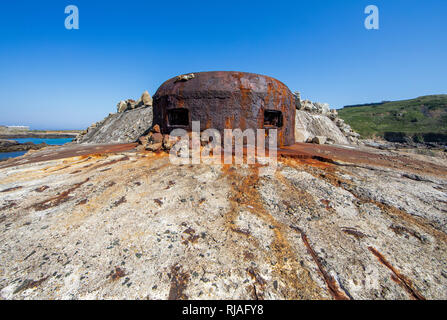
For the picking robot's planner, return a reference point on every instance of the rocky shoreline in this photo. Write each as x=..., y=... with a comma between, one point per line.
x=38, y=136
x=12, y=146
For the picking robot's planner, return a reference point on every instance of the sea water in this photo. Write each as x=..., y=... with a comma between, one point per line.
x=50, y=142
x=15, y=154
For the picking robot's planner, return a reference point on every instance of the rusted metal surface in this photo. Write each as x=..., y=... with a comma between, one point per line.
x=226, y=100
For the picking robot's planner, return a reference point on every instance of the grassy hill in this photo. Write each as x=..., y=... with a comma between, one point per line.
x=420, y=118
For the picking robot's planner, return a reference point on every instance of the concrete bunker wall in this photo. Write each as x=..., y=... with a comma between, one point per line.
x=226, y=100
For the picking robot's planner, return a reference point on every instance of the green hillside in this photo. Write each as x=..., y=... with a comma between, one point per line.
x=418, y=118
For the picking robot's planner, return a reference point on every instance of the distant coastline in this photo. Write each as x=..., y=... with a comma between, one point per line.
x=15, y=144
x=39, y=135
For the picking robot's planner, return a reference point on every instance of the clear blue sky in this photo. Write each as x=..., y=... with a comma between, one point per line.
x=53, y=78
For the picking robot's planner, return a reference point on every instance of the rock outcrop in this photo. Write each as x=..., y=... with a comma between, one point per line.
x=12, y=146
x=134, y=119
x=129, y=104
x=122, y=127
x=317, y=119
x=308, y=126
x=131, y=225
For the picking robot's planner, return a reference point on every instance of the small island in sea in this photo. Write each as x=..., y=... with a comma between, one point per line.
x=16, y=141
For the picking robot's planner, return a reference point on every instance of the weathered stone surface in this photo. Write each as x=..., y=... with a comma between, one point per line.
x=154, y=146
x=323, y=109
x=319, y=140
x=156, y=129
x=167, y=143
x=146, y=99
x=119, y=127
x=308, y=126
x=122, y=106
x=130, y=104
x=143, y=140
x=133, y=226
x=156, y=138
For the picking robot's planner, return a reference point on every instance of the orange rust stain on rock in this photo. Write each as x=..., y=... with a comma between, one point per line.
x=108, y=163
x=332, y=286
x=254, y=274
x=42, y=188
x=397, y=276
x=248, y=255
x=120, y=201
x=300, y=284
x=400, y=230
x=355, y=233
x=11, y=189
x=193, y=237
x=369, y=158
x=158, y=202
x=259, y=285
x=117, y=274
x=300, y=160
x=92, y=156
x=179, y=282
x=59, y=199
x=401, y=215
x=326, y=203
x=30, y=284
x=245, y=232
x=329, y=174
x=9, y=204
x=82, y=202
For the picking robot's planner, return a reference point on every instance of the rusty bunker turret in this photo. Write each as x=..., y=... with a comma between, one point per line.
x=226, y=100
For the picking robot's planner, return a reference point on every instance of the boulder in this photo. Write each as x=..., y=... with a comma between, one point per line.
x=297, y=96
x=167, y=143
x=155, y=141
x=156, y=138
x=309, y=125
x=333, y=114
x=308, y=106
x=146, y=99
x=122, y=106
x=143, y=140
x=319, y=140
x=339, y=122
x=311, y=121
x=322, y=108
x=156, y=129
x=131, y=104
x=185, y=77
